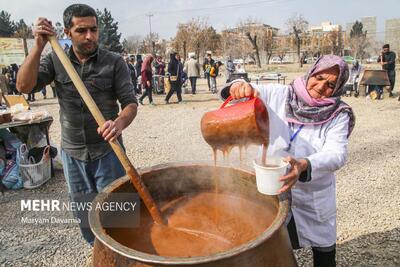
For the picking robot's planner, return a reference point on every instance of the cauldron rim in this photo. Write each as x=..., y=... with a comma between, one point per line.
x=108, y=241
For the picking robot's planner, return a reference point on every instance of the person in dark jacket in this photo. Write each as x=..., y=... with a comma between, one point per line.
x=159, y=66
x=159, y=72
x=138, y=67
x=132, y=71
x=388, y=62
x=147, y=78
x=214, y=72
x=207, y=65
x=175, y=77
x=230, y=69
x=13, y=81
x=89, y=161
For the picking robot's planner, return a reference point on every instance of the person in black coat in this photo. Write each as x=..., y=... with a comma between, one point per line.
x=175, y=72
x=388, y=61
x=207, y=64
x=132, y=71
x=138, y=67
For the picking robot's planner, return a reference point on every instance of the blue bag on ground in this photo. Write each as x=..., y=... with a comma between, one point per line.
x=10, y=176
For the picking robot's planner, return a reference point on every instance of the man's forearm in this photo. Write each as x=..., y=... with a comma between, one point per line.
x=127, y=115
x=28, y=72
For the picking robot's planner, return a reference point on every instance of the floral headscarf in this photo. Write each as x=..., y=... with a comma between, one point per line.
x=301, y=108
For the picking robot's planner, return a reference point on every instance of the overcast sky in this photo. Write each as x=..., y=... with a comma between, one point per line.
x=132, y=19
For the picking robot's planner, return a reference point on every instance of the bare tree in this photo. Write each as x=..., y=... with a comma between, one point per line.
x=297, y=25
x=23, y=31
x=336, y=42
x=161, y=47
x=150, y=42
x=269, y=45
x=195, y=35
x=182, y=38
x=133, y=44
x=374, y=48
x=256, y=54
x=253, y=35
x=235, y=45
x=210, y=38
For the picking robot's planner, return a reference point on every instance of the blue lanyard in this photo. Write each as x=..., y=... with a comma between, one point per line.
x=294, y=137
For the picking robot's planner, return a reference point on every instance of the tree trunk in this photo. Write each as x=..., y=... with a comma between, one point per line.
x=255, y=48
x=184, y=50
x=269, y=55
x=298, y=43
x=25, y=46
x=298, y=52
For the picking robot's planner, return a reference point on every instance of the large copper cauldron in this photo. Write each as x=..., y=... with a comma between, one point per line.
x=271, y=248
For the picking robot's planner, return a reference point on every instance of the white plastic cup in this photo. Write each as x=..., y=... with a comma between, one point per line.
x=267, y=176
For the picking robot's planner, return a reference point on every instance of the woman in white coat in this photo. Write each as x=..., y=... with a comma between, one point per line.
x=310, y=127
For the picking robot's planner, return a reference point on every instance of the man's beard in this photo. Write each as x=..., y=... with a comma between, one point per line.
x=81, y=49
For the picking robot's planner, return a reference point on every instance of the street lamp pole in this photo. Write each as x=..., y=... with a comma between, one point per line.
x=150, y=36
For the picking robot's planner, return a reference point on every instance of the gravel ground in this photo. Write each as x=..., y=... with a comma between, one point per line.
x=367, y=187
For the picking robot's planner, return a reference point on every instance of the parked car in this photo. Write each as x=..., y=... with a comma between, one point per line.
x=286, y=60
x=348, y=59
x=275, y=60
x=250, y=61
x=373, y=59
x=309, y=60
x=238, y=61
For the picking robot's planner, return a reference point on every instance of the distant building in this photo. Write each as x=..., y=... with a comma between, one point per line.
x=392, y=34
x=369, y=25
x=239, y=41
x=325, y=26
x=325, y=38
x=253, y=27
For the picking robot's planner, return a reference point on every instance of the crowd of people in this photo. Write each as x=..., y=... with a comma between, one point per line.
x=153, y=75
x=8, y=80
x=147, y=76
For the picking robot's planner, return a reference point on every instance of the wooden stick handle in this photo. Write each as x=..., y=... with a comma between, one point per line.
x=116, y=146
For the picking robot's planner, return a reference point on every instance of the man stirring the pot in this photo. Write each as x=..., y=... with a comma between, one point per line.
x=88, y=160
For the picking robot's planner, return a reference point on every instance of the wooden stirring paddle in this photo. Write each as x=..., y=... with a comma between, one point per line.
x=116, y=146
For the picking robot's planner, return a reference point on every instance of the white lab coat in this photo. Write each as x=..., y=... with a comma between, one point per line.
x=313, y=203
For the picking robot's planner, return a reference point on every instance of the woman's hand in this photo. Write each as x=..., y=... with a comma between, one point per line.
x=148, y=84
x=242, y=89
x=297, y=166
x=110, y=130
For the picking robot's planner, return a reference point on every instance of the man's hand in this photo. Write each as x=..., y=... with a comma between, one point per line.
x=28, y=72
x=297, y=166
x=110, y=130
x=148, y=84
x=40, y=30
x=242, y=89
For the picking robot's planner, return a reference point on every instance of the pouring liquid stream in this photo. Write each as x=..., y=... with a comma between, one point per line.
x=216, y=220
